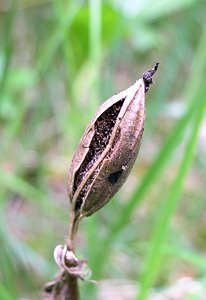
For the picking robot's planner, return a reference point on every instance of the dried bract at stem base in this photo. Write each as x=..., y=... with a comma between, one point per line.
x=65, y=284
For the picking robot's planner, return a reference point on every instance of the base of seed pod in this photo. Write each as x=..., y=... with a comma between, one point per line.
x=73, y=228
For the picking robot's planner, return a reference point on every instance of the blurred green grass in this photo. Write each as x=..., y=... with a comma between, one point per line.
x=58, y=61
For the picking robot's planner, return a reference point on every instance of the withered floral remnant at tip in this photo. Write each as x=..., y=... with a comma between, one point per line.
x=147, y=76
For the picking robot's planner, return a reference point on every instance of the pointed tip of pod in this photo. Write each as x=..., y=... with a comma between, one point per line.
x=147, y=76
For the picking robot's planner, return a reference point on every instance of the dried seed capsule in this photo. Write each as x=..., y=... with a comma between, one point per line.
x=108, y=149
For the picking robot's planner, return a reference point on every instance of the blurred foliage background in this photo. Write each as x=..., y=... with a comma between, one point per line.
x=58, y=61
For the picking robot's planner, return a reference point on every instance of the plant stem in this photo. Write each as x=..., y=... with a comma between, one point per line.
x=64, y=287
x=73, y=289
x=73, y=228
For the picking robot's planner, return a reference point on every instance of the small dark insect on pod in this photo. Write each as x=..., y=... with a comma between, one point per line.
x=108, y=148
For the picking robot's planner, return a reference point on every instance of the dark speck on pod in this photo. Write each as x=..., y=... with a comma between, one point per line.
x=113, y=177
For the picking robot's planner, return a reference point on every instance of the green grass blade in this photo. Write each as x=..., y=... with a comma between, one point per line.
x=57, y=37
x=27, y=191
x=95, y=52
x=157, y=243
x=5, y=294
x=7, y=49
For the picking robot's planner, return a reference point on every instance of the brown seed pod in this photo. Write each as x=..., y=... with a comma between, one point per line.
x=108, y=149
